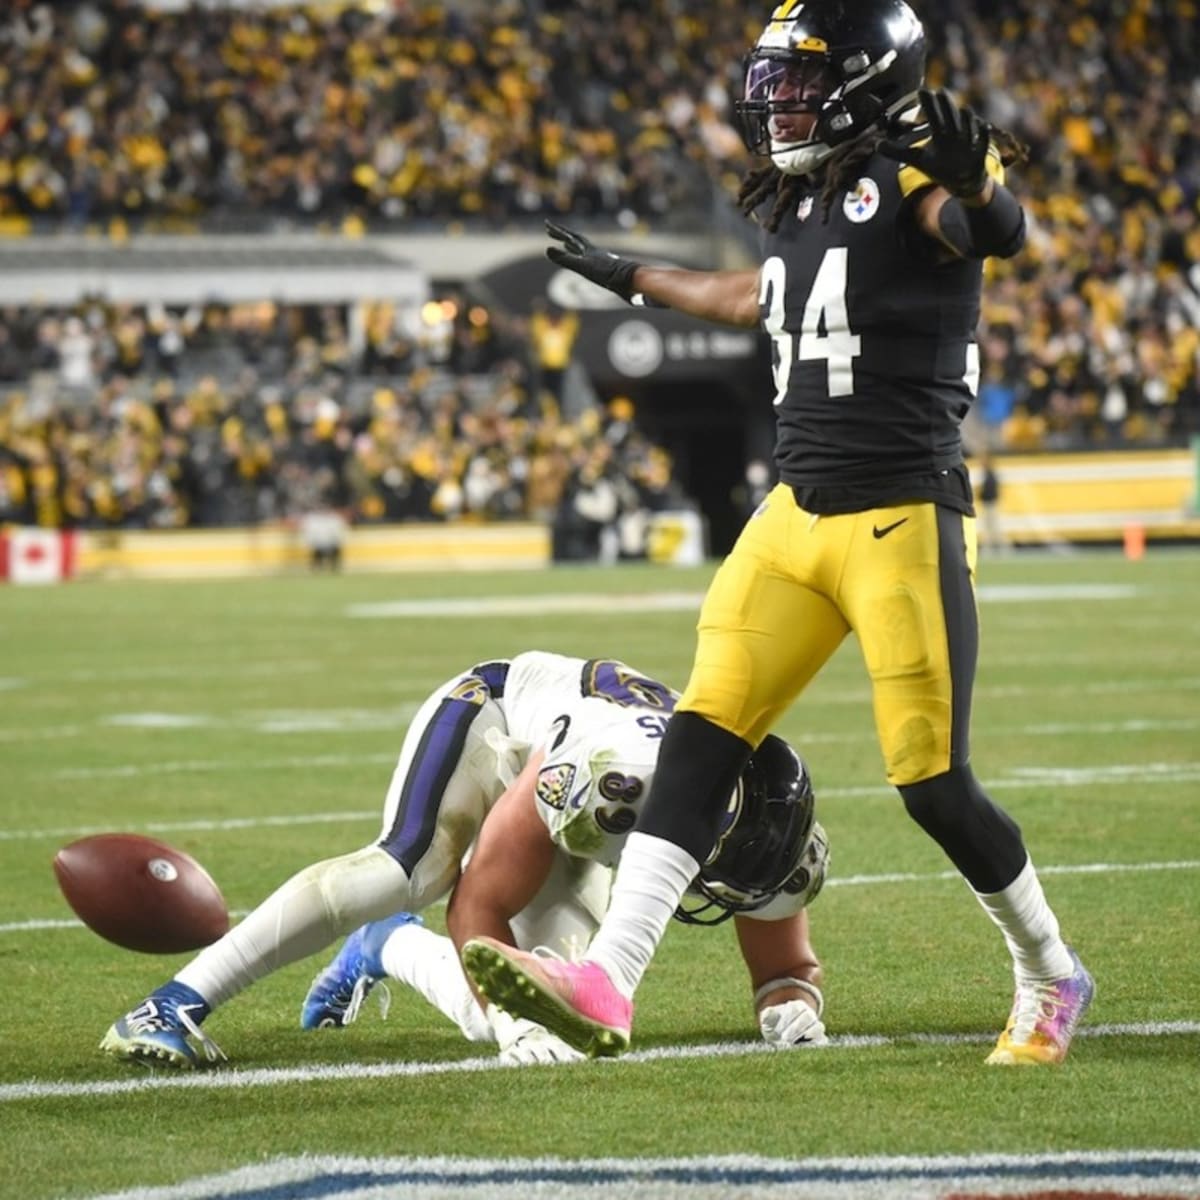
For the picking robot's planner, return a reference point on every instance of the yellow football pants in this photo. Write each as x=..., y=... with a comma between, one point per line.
x=902, y=578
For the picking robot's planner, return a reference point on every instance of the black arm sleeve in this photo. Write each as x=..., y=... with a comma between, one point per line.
x=998, y=228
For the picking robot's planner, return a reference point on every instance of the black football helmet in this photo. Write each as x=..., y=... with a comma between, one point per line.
x=851, y=63
x=771, y=842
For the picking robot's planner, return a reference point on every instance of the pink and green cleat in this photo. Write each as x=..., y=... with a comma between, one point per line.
x=575, y=1001
x=1043, y=1019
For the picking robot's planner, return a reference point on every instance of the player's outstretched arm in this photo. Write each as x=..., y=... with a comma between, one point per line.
x=726, y=297
x=970, y=212
x=786, y=975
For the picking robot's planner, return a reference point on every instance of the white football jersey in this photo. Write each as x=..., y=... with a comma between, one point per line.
x=600, y=724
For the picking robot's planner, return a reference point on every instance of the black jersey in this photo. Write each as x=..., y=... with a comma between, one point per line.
x=874, y=350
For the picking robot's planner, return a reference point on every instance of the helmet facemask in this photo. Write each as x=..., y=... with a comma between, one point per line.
x=850, y=74
x=766, y=843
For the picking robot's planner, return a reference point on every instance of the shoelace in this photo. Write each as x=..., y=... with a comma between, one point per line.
x=358, y=993
x=212, y=1051
x=152, y=1019
x=1036, y=1001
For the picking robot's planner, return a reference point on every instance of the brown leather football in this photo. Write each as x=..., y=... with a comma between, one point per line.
x=141, y=893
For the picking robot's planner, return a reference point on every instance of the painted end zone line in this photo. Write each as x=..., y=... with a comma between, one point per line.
x=36, y=1089
x=1119, y=1173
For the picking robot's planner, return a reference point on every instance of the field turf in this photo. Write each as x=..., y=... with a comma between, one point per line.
x=254, y=723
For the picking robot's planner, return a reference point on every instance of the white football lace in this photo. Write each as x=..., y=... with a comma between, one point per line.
x=1035, y=1001
x=212, y=1051
x=362, y=985
x=150, y=1019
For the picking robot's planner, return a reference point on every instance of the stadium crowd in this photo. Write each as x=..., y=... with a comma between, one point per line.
x=148, y=418
x=411, y=114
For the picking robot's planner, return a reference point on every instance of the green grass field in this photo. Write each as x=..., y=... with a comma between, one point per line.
x=254, y=724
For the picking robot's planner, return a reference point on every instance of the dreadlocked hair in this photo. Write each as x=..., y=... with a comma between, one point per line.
x=758, y=184
x=1012, y=149
x=841, y=169
x=840, y=172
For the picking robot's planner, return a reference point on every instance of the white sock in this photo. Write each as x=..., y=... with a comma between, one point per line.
x=428, y=963
x=651, y=878
x=307, y=914
x=1030, y=928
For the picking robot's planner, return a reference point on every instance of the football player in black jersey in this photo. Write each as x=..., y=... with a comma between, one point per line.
x=878, y=201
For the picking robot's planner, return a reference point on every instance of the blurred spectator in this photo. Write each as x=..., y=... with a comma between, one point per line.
x=752, y=491
x=119, y=116
x=322, y=526
x=348, y=112
x=553, y=332
x=212, y=442
x=991, y=535
x=585, y=525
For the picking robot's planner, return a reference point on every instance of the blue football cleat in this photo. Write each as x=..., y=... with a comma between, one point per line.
x=158, y=1030
x=337, y=993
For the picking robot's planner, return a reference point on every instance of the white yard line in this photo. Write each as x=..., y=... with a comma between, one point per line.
x=227, y=1079
x=592, y=602
x=193, y=766
x=327, y=818
x=1028, y=778
x=845, y=881
x=345, y=721
x=1066, y=869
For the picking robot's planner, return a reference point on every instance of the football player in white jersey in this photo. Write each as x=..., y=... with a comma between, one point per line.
x=537, y=766
x=532, y=877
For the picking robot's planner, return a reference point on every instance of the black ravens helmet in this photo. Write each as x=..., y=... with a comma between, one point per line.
x=823, y=73
x=771, y=843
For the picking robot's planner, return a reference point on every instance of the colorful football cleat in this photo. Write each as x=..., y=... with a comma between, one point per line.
x=1044, y=1018
x=336, y=996
x=575, y=1001
x=160, y=1029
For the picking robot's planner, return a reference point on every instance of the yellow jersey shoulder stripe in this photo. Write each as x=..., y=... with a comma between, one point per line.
x=911, y=179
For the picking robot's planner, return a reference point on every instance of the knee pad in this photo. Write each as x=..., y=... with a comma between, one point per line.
x=979, y=837
x=366, y=885
x=698, y=767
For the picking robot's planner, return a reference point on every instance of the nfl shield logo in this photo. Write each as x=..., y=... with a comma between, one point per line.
x=804, y=208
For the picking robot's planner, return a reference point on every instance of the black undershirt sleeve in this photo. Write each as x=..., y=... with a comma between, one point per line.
x=997, y=229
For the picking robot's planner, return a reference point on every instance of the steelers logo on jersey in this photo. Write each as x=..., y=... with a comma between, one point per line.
x=862, y=202
x=554, y=785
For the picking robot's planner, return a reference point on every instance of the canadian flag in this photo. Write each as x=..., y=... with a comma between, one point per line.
x=36, y=555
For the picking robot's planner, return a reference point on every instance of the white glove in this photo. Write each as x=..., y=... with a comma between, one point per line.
x=793, y=1023
x=524, y=1042
x=538, y=1045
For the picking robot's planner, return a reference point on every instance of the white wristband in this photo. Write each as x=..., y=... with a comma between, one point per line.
x=788, y=981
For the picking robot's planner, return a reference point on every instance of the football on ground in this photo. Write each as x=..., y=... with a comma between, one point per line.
x=141, y=893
